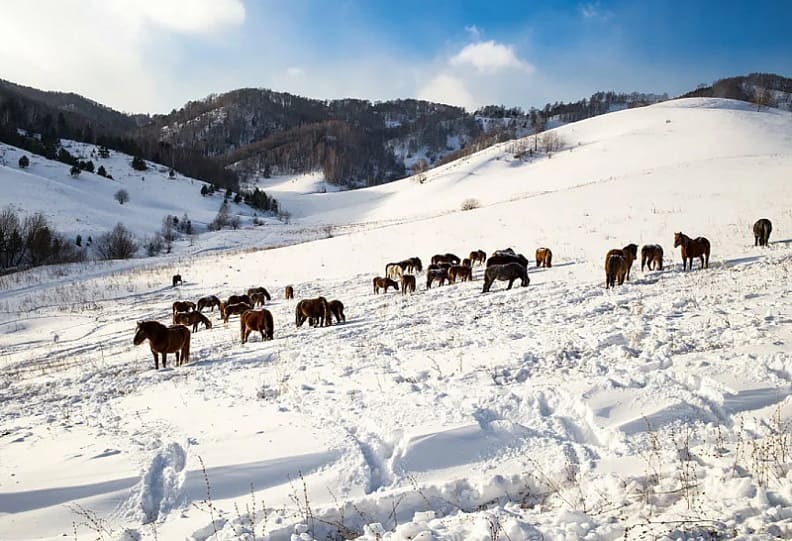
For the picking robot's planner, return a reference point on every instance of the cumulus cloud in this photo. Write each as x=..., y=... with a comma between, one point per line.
x=489, y=57
x=445, y=88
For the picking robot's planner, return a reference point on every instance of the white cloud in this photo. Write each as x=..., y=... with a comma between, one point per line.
x=489, y=57
x=445, y=88
x=474, y=31
x=186, y=16
x=295, y=71
x=594, y=11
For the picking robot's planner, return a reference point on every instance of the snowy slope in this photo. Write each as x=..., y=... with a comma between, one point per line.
x=556, y=411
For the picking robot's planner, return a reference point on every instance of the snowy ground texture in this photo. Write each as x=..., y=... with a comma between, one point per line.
x=658, y=410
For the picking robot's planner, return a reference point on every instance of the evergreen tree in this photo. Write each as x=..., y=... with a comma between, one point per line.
x=75, y=171
x=23, y=162
x=102, y=172
x=139, y=164
x=204, y=190
x=78, y=240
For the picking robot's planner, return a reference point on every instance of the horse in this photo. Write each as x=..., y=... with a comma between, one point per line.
x=415, y=264
x=183, y=306
x=630, y=254
x=761, y=230
x=210, y=301
x=438, y=266
x=336, y=309
x=615, y=269
x=177, y=279
x=698, y=247
x=235, y=299
x=384, y=283
x=436, y=275
x=256, y=320
x=394, y=271
x=503, y=257
x=408, y=284
x=191, y=318
x=652, y=256
x=446, y=258
x=228, y=310
x=164, y=340
x=261, y=291
x=467, y=263
x=461, y=272
x=508, y=271
x=289, y=292
x=477, y=256
x=544, y=257
x=316, y=309
x=257, y=299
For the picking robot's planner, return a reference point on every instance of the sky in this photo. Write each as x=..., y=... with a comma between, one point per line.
x=151, y=56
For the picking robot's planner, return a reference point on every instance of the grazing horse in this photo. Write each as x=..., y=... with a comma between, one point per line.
x=615, y=269
x=177, y=279
x=210, y=301
x=415, y=264
x=761, y=230
x=544, y=257
x=652, y=256
x=436, y=275
x=228, y=310
x=698, y=247
x=446, y=258
x=235, y=299
x=477, y=256
x=508, y=271
x=384, y=283
x=261, y=291
x=257, y=299
x=183, y=306
x=289, y=292
x=164, y=340
x=630, y=254
x=407, y=284
x=315, y=309
x=466, y=262
x=191, y=318
x=394, y=271
x=461, y=272
x=336, y=309
x=256, y=320
x=503, y=257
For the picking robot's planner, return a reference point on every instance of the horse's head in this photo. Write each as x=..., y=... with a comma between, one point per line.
x=140, y=334
x=208, y=323
x=677, y=239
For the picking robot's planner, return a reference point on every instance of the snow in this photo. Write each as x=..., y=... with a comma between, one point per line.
x=557, y=411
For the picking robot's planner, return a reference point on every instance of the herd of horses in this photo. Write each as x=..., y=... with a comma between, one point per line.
x=503, y=265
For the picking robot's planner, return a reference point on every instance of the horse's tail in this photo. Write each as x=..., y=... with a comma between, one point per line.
x=549, y=259
x=242, y=328
x=185, y=352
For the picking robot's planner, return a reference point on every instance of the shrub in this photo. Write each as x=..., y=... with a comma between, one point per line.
x=102, y=172
x=470, y=204
x=75, y=171
x=23, y=162
x=139, y=164
x=122, y=196
x=120, y=243
x=204, y=190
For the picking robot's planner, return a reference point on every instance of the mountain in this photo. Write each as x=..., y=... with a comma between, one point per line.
x=762, y=89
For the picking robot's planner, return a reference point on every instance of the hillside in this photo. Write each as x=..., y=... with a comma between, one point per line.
x=560, y=410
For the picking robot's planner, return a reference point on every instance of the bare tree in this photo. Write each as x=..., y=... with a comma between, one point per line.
x=122, y=196
x=120, y=243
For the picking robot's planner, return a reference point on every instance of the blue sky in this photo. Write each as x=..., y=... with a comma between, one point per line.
x=154, y=55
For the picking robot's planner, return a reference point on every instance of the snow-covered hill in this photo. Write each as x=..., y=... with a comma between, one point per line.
x=558, y=411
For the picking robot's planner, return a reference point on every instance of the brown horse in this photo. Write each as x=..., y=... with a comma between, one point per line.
x=629, y=253
x=235, y=299
x=414, y=265
x=503, y=257
x=615, y=269
x=652, y=256
x=289, y=292
x=761, y=230
x=256, y=320
x=257, y=299
x=436, y=275
x=260, y=290
x=177, y=279
x=315, y=309
x=336, y=309
x=394, y=271
x=408, y=284
x=210, y=301
x=466, y=262
x=461, y=273
x=228, y=310
x=191, y=318
x=384, y=283
x=544, y=257
x=509, y=271
x=477, y=256
x=164, y=340
x=453, y=259
x=698, y=247
x=183, y=306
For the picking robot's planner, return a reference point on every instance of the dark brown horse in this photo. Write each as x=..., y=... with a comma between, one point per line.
x=459, y=272
x=477, y=256
x=210, y=301
x=629, y=253
x=408, y=284
x=384, y=283
x=466, y=262
x=453, y=259
x=256, y=320
x=615, y=269
x=261, y=291
x=315, y=309
x=235, y=299
x=191, y=318
x=257, y=299
x=414, y=265
x=336, y=309
x=504, y=257
x=761, y=230
x=164, y=340
x=228, y=310
x=289, y=292
x=544, y=257
x=509, y=271
x=439, y=274
x=652, y=256
x=698, y=247
x=183, y=306
x=177, y=279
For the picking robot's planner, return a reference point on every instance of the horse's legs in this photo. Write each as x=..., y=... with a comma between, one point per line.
x=156, y=360
x=511, y=282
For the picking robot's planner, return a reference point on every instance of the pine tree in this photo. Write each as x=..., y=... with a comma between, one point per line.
x=139, y=164
x=23, y=162
x=204, y=190
x=102, y=172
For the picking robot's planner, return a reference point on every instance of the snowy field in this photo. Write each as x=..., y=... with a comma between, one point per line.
x=658, y=410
